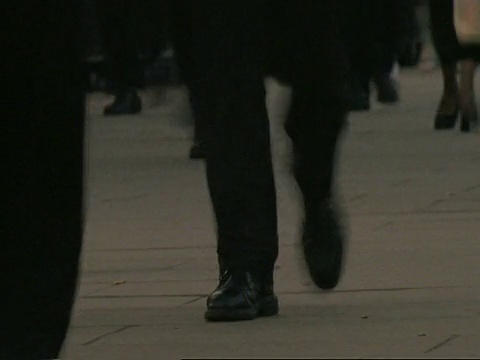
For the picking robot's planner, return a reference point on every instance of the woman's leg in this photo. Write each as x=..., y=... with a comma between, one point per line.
x=467, y=94
x=448, y=51
x=449, y=102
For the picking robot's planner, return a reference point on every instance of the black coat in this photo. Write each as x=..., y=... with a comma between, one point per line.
x=295, y=40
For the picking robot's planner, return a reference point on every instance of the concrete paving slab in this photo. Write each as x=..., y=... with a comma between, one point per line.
x=412, y=281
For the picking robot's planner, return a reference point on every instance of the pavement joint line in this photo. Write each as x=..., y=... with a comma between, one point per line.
x=384, y=226
x=442, y=343
x=464, y=211
x=171, y=267
x=166, y=268
x=123, y=198
x=433, y=203
x=110, y=285
x=98, y=338
x=383, y=289
x=424, y=211
x=357, y=197
x=471, y=188
x=175, y=281
x=314, y=292
x=192, y=301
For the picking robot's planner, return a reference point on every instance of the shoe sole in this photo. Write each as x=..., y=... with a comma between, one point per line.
x=265, y=307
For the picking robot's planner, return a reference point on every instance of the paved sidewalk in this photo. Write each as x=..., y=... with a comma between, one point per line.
x=412, y=282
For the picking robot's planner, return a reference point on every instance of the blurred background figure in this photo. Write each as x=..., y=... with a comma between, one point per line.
x=415, y=34
x=377, y=31
x=138, y=45
x=180, y=33
x=117, y=30
x=458, y=99
x=132, y=35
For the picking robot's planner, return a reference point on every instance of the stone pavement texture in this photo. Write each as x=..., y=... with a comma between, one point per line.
x=412, y=281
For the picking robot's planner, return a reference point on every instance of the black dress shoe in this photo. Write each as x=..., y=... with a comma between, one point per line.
x=239, y=297
x=387, y=92
x=197, y=151
x=124, y=104
x=324, y=244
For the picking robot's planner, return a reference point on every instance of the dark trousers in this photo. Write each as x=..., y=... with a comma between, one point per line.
x=374, y=30
x=42, y=133
x=118, y=20
x=234, y=46
x=180, y=30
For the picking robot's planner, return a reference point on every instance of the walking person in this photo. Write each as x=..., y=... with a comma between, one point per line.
x=234, y=45
x=458, y=98
x=117, y=19
x=375, y=31
x=42, y=133
x=180, y=30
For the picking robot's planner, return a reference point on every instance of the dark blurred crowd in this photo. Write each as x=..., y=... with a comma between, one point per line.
x=129, y=46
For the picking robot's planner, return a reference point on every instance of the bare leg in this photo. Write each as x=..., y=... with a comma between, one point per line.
x=447, y=112
x=467, y=92
x=467, y=95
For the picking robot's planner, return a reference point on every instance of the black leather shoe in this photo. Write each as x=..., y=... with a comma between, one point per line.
x=197, y=151
x=239, y=297
x=324, y=244
x=387, y=92
x=124, y=104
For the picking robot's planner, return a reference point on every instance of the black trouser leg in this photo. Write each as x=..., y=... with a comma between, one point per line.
x=181, y=32
x=42, y=220
x=314, y=124
x=116, y=18
x=360, y=37
x=239, y=165
x=391, y=28
x=199, y=115
x=315, y=49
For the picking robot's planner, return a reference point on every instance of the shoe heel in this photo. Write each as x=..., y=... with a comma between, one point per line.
x=445, y=122
x=268, y=307
x=465, y=124
x=468, y=123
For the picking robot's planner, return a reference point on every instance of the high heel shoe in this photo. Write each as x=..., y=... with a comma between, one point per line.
x=444, y=122
x=469, y=122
